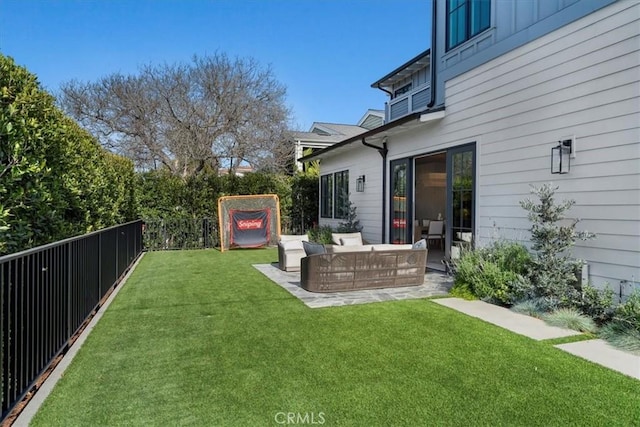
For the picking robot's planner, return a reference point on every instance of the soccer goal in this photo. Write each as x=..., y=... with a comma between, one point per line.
x=248, y=221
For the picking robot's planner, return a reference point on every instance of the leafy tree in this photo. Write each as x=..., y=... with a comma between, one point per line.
x=214, y=111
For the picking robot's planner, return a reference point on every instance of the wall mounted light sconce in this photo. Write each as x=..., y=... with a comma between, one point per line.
x=561, y=157
x=360, y=184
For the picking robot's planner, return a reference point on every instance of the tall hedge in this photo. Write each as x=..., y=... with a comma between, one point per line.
x=55, y=179
x=163, y=195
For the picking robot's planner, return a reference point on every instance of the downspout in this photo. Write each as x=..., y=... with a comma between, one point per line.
x=384, y=90
x=383, y=151
x=387, y=113
x=434, y=18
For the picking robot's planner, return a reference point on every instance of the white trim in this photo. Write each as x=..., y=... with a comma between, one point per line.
x=427, y=117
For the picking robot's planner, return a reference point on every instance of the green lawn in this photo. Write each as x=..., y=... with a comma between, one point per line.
x=202, y=338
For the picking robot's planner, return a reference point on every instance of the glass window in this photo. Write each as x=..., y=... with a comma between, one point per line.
x=465, y=19
x=399, y=214
x=326, y=196
x=341, y=194
x=401, y=91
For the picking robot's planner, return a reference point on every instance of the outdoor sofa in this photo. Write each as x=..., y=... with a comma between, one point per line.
x=356, y=267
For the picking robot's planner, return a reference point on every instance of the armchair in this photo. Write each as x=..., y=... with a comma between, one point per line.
x=291, y=251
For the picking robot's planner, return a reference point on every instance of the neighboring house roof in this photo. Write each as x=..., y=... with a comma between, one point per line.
x=338, y=129
x=400, y=125
x=325, y=134
x=372, y=119
x=239, y=171
x=405, y=70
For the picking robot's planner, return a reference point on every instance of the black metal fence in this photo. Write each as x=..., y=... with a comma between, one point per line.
x=47, y=293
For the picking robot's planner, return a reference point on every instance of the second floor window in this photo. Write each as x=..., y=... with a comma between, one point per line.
x=401, y=91
x=465, y=19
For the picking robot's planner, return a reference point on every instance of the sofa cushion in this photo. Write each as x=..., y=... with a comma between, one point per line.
x=290, y=245
x=337, y=236
x=390, y=247
x=311, y=248
x=352, y=248
x=299, y=237
x=350, y=241
x=420, y=244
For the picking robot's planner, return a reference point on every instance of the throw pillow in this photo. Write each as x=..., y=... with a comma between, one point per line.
x=350, y=241
x=420, y=244
x=311, y=248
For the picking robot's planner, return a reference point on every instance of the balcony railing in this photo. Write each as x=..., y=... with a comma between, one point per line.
x=410, y=102
x=46, y=296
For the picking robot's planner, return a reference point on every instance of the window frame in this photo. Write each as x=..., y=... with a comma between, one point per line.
x=402, y=90
x=341, y=198
x=468, y=20
x=326, y=196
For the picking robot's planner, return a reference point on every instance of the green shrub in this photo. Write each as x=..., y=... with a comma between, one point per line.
x=597, y=304
x=629, y=311
x=547, y=304
x=55, y=179
x=304, y=196
x=351, y=224
x=462, y=291
x=529, y=307
x=321, y=234
x=570, y=318
x=554, y=270
x=493, y=273
x=624, y=329
x=621, y=335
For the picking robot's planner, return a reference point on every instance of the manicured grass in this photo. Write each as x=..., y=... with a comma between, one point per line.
x=202, y=338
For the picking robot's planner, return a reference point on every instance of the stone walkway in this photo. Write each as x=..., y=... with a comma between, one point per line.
x=434, y=284
x=507, y=319
x=596, y=351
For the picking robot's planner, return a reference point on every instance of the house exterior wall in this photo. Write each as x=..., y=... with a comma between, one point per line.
x=513, y=24
x=580, y=81
x=367, y=162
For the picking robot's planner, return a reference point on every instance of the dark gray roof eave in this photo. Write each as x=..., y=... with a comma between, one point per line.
x=400, y=68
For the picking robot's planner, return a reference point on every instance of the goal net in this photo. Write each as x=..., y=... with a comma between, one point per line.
x=248, y=221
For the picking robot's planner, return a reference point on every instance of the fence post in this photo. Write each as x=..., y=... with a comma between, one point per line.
x=69, y=297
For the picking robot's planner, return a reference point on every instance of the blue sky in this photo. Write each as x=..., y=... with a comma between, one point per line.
x=327, y=52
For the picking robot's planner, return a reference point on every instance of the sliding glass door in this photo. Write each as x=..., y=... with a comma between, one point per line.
x=401, y=204
x=460, y=198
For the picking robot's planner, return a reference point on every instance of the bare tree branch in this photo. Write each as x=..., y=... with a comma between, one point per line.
x=212, y=112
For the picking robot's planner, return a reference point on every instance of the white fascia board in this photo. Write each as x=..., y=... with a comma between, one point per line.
x=427, y=117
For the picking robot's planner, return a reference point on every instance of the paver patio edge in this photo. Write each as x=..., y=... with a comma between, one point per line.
x=29, y=411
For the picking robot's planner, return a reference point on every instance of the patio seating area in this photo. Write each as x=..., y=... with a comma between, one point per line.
x=434, y=284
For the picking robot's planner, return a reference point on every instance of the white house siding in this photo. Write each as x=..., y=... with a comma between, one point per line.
x=582, y=80
x=367, y=162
